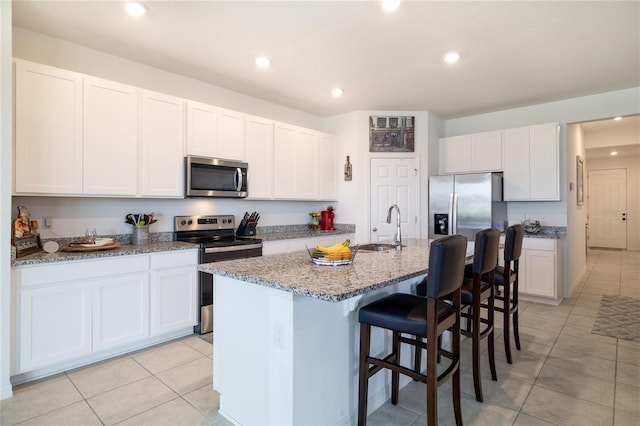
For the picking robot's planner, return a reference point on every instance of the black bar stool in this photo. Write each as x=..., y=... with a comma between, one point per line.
x=419, y=317
x=507, y=281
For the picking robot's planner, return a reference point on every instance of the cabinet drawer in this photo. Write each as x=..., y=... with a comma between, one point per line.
x=538, y=244
x=174, y=259
x=81, y=270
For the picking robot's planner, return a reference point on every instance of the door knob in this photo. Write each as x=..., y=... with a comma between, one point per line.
x=374, y=229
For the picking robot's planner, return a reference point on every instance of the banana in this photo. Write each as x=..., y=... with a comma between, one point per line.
x=334, y=248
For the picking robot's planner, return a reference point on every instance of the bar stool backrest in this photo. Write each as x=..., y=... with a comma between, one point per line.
x=485, y=256
x=446, y=265
x=513, y=242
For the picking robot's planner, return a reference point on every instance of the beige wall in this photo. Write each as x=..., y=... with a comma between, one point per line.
x=632, y=164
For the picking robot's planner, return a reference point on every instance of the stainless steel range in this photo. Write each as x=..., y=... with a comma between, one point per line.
x=217, y=239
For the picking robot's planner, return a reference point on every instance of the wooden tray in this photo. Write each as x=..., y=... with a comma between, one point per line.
x=96, y=248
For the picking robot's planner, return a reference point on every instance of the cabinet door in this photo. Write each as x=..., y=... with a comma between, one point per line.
x=120, y=310
x=540, y=273
x=284, y=160
x=173, y=299
x=306, y=165
x=48, y=148
x=516, y=164
x=230, y=134
x=486, y=151
x=455, y=154
x=259, y=134
x=202, y=129
x=162, y=145
x=111, y=120
x=55, y=325
x=329, y=168
x=544, y=162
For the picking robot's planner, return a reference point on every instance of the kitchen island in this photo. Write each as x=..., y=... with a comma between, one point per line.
x=286, y=333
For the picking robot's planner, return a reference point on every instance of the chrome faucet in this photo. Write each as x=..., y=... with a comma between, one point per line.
x=397, y=239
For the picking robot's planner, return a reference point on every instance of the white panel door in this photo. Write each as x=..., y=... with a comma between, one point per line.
x=394, y=181
x=284, y=160
x=162, y=145
x=259, y=134
x=110, y=138
x=120, y=310
x=55, y=325
x=544, y=182
x=607, y=204
x=516, y=164
x=202, y=130
x=230, y=134
x=48, y=130
x=306, y=165
x=540, y=273
x=173, y=299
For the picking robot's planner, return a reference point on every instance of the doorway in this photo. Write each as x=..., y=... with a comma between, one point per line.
x=394, y=181
x=607, y=201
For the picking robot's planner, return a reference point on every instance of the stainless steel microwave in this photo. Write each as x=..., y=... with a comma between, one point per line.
x=212, y=177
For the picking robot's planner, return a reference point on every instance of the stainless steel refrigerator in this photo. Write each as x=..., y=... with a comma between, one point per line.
x=466, y=204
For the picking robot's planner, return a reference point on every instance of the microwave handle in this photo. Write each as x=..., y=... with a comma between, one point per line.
x=238, y=179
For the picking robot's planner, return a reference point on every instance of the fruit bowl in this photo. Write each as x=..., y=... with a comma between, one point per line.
x=336, y=255
x=531, y=226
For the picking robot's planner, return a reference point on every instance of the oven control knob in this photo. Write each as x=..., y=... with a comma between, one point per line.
x=190, y=222
x=183, y=223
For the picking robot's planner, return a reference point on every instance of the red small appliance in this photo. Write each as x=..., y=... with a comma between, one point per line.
x=326, y=220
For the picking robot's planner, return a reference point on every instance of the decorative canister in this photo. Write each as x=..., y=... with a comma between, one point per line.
x=140, y=235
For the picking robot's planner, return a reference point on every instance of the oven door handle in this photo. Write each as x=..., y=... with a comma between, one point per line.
x=232, y=248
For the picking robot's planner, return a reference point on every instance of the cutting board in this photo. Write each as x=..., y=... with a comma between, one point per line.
x=96, y=248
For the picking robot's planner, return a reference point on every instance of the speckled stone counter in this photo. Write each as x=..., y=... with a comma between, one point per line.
x=291, y=232
x=123, y=250
x=549, y=232
x=296, y=273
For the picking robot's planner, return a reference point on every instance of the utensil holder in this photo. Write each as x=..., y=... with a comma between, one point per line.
x=140, y=235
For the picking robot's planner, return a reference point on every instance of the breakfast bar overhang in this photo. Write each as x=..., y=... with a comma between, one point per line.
x=285, y=339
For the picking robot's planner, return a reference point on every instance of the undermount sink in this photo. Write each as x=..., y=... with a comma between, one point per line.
x=376, y=247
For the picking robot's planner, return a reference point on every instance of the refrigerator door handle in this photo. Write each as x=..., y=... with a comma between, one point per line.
x=452, y=224
x=455, y=213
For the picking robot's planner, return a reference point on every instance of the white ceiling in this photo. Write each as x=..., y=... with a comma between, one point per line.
x=606, y=133
x=513, y=54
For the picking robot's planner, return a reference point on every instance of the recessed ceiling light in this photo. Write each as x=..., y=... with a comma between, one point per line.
x=614, y=153
x=618, y=118
x=451, y=57
x=336, y=92
x=263, y=62
x=135, y=9
x=390, y=5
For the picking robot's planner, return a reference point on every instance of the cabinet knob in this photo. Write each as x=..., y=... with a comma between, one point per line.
x=375, y=229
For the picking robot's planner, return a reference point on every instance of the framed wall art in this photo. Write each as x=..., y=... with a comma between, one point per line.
x=579, y=180
x=391, y=134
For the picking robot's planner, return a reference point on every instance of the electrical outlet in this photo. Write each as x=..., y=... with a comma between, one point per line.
x=48, y=221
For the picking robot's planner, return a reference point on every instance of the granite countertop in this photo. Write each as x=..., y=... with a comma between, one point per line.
x=291, y=232
x=549, y=232
x=124, y=250
x=297, y=274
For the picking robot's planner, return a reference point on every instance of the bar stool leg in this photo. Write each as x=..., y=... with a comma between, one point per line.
x=491, y=343
x=475, y=351
x=365, y=339
x=395, y=375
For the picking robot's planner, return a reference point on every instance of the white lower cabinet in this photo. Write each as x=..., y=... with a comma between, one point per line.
x=70, y=312
x=541, y=270
x=120, y=310
x=173, y=292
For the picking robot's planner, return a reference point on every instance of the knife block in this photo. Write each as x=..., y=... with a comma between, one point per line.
x=247, y=230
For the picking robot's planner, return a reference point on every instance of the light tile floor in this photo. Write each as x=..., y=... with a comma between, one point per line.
x=564, y=375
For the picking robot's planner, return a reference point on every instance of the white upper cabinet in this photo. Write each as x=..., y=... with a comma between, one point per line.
x=48, y=118
x=329, y=170
x=284, y=160
x=214, y=132
x=478, y=152
x=531, y=163
x=162, y=145
x=202, y=130
x=111, y=124
x=259, y=141
x=306, y=164
x=231, y=136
